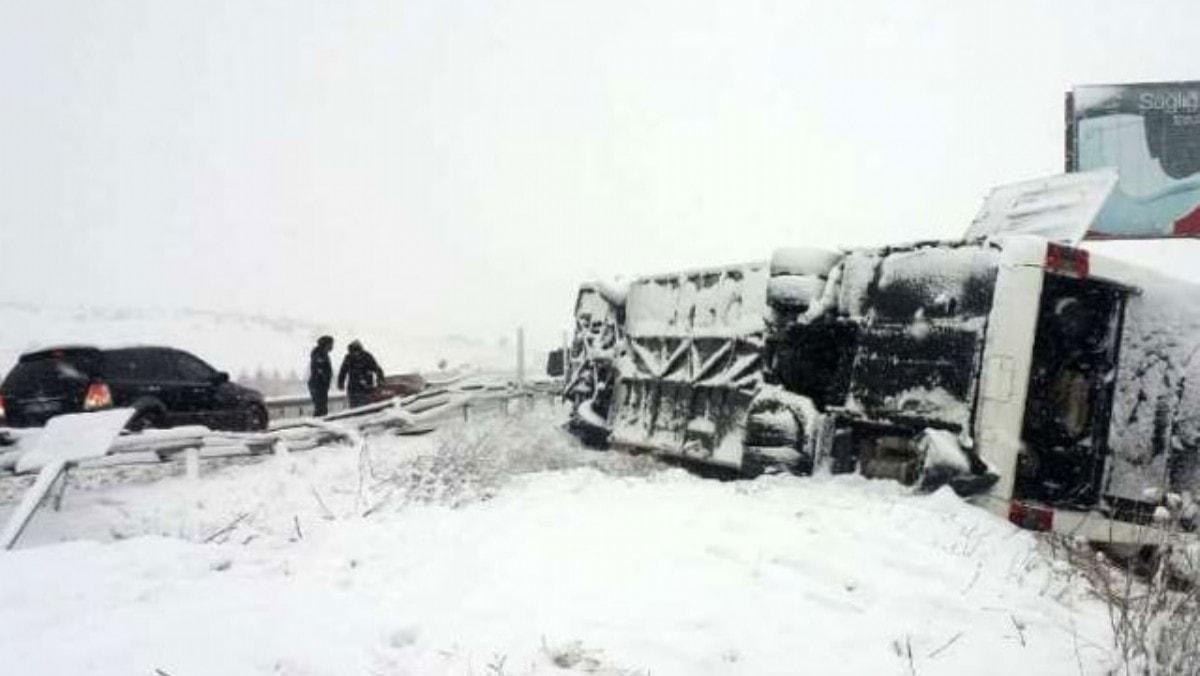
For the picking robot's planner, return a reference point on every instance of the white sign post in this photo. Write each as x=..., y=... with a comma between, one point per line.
x=66, y=440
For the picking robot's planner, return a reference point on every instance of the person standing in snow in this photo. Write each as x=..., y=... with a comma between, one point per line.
x=320, y=375
x=359, y=374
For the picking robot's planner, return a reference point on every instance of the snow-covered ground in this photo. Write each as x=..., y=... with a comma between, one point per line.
x=502, y=547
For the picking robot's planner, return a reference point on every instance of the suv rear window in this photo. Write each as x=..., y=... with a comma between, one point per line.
x=50, y=374
x=138, y=364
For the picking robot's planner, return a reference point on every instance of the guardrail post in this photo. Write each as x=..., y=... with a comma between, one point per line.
x=521, y=355
x=465, y=415
x=62, y=488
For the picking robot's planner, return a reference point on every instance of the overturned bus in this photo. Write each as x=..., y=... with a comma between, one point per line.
x=1054, y=386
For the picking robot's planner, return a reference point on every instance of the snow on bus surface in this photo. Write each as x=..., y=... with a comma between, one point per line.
x=504, y=545
x=1157, y=399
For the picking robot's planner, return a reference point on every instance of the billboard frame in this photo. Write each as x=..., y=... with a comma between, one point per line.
x=1071, y=157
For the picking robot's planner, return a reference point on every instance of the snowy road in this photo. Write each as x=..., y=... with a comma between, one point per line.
x=503, y=548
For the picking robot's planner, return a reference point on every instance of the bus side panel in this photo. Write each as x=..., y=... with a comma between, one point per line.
x=1155, y=433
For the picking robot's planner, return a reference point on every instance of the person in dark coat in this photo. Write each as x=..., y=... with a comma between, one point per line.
x=320, y=375
x=359, y=374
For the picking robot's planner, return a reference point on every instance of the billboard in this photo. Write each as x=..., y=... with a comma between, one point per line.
x=1150, y=133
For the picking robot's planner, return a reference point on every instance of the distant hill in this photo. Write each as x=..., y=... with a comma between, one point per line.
x=249, y=347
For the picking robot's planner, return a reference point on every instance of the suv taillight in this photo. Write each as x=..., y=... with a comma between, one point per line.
x=97, y=396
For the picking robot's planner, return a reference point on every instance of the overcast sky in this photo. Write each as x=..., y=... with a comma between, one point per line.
x=462, y=166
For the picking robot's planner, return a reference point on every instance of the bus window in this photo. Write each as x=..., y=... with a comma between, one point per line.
x=1069, y=407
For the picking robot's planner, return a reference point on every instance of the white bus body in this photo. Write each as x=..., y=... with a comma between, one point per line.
x=1069, y=381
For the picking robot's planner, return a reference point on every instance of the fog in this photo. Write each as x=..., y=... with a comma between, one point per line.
x=461, y=166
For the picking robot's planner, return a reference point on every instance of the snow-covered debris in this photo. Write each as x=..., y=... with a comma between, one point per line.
x=720, y=301
x=1061, y=208
x=931, y=402
x=794, y=291
x=803, y=261
x=858, y=273
x=941, y=449
x=502, y=545
x=614, y=292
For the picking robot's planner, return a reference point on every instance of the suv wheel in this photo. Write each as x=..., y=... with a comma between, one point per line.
x=145, y=419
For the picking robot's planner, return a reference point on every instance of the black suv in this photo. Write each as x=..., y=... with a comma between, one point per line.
x=168, y=387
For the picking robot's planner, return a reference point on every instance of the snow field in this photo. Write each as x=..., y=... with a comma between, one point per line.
x=503, y=547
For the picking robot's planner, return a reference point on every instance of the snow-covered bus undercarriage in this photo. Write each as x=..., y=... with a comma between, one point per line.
x=1044, y=383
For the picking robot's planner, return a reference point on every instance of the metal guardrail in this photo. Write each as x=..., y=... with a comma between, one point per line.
x=301, y=406
x=413, y=414
x=417, y=412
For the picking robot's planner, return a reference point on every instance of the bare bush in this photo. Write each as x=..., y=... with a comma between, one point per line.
x=1153, y=603
x=471, y=463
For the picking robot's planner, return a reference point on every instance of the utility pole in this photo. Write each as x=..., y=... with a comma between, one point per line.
x=521, y=356
x=566, y=361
